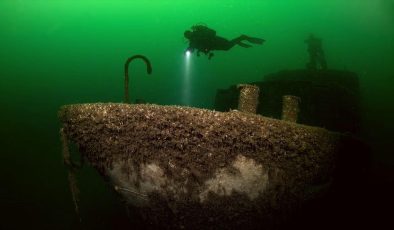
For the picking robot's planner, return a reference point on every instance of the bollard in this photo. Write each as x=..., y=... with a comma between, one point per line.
x=290, y=108
x=248, y=98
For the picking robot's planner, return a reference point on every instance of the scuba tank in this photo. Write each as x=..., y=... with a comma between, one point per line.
x=203, y=31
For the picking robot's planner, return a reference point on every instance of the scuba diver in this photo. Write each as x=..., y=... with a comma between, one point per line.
x=316, y=53
x=204, y=40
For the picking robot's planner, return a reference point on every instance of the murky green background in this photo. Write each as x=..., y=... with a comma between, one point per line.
x=62, y=52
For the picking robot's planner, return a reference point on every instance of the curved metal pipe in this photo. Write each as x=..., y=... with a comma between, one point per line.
x=126, y=73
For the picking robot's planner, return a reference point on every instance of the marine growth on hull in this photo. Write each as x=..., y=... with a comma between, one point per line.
x=183, y=167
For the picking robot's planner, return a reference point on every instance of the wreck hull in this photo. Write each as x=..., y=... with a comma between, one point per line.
x=187, y=167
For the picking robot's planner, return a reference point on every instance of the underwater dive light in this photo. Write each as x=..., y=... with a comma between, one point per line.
x=188, y=54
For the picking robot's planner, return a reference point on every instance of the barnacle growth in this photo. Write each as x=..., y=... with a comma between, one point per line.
x=290, y=108
x=248, y=98
x=187, y=166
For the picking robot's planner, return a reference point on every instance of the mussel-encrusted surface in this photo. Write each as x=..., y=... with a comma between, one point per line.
x=203, y=141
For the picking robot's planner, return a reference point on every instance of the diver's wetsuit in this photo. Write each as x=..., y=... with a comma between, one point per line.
x=205, y=40
x=316, y=53
x=219, y=43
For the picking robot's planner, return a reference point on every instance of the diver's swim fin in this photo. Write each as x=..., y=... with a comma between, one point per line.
x=243, y=45
x=255, y=40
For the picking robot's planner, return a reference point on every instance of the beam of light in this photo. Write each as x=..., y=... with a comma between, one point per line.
x=186, y=87
x=188, y=53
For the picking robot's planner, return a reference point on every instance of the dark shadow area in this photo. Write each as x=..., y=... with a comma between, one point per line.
x=329, y=98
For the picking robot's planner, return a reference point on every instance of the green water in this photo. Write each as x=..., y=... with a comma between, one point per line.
x=63, y=52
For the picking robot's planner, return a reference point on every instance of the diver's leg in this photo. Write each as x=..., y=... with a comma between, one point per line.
x=254, y=40
x=238, y=41
x=220, y=43
x=322, y=60
x=244, y=45
x=243, y=37
x=312, y=60
x=324, y=64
